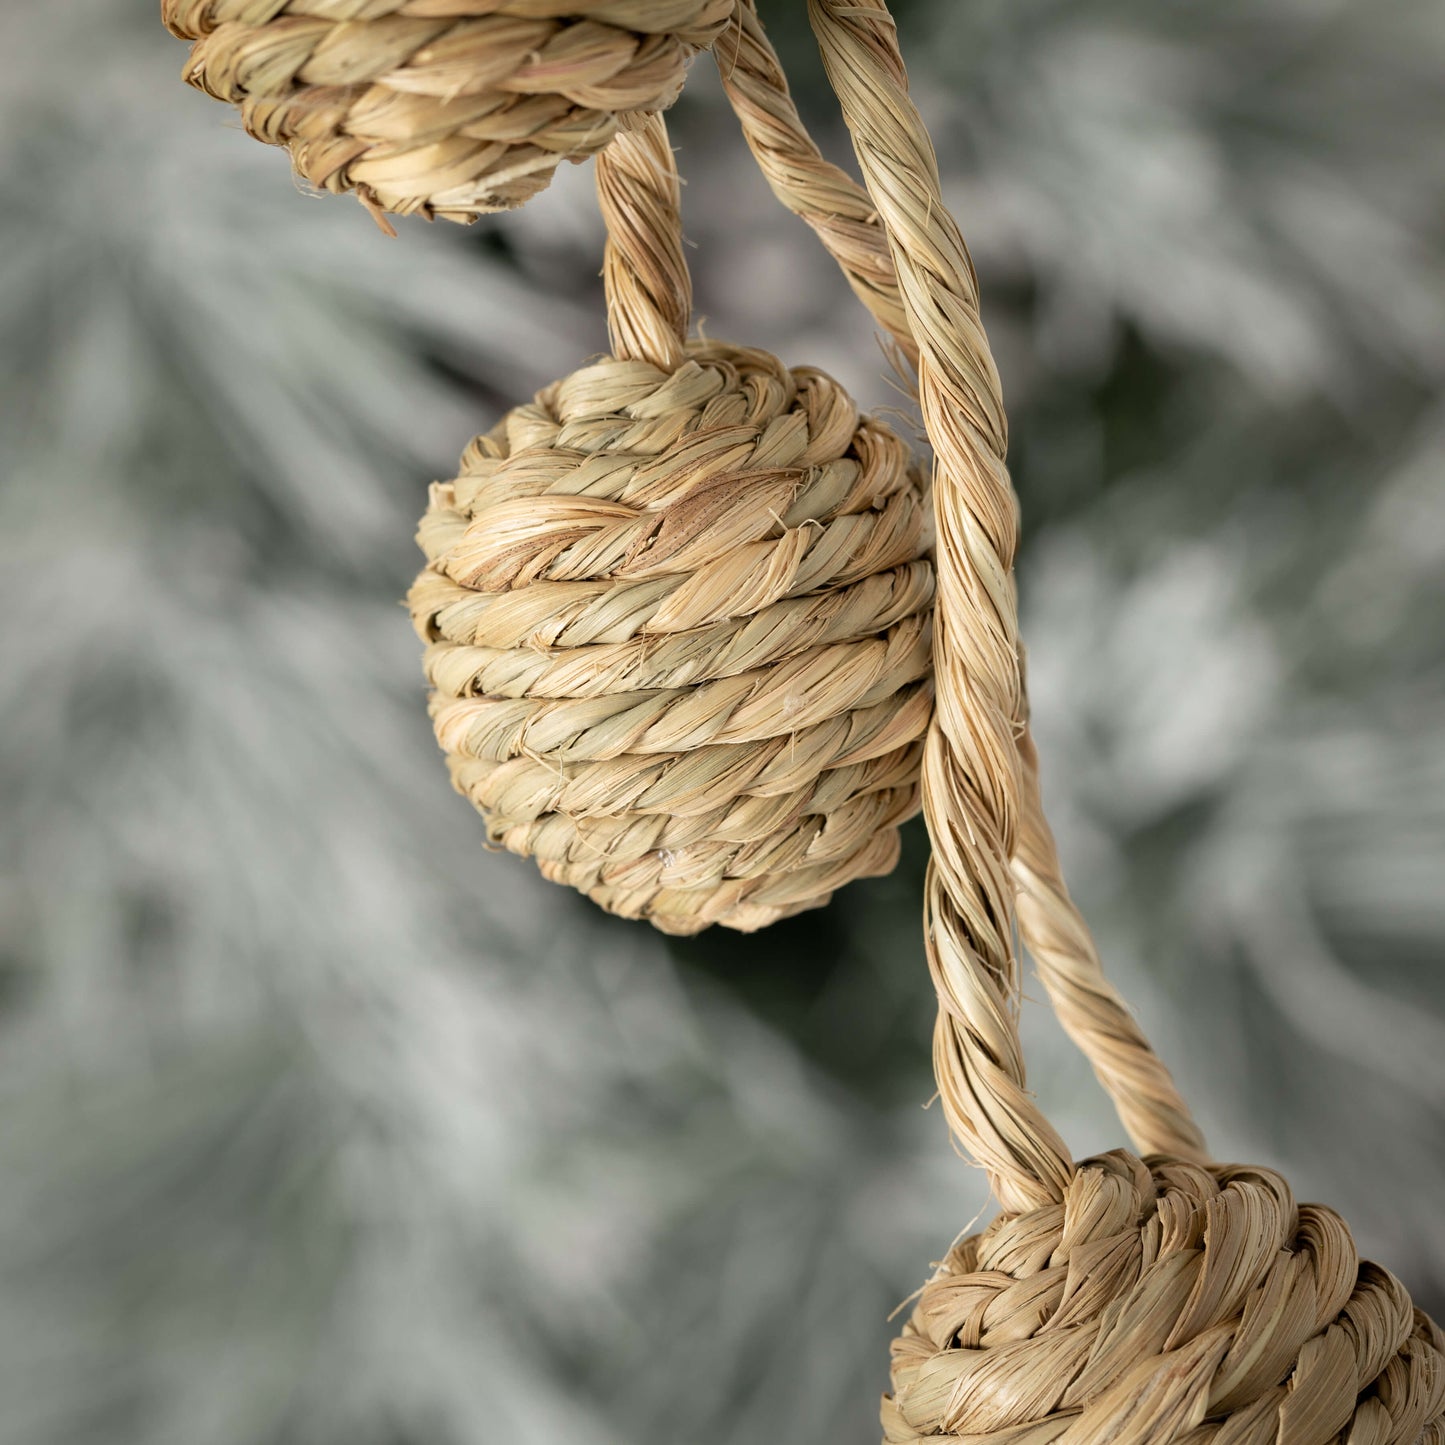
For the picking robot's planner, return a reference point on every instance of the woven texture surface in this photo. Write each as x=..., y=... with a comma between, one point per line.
x=1171, y=1302
x=448, y=108
x=679, y=636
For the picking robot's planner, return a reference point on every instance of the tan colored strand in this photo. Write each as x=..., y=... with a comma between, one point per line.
x=843, y=216
x=1091, y=1010
x=649, y=287
x=1140, y=1304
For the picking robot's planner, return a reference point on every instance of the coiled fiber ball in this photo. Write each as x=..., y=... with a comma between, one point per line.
x=1167, y=1302
x=678, y=628
x=441, y=107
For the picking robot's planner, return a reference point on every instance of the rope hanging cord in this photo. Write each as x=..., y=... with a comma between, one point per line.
x=843, y=216
x=840, y=212
x=1113, y=1300
x=449, y=108
x=678, y=609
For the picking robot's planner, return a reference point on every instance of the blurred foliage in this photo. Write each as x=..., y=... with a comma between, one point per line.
x=323, y=1125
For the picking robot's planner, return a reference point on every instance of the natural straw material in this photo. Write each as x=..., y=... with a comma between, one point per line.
x=845, y=219
x=838, y=209
x=1112, y=1301
x=1164, y=1303
x=447, y=108
x=678, y=610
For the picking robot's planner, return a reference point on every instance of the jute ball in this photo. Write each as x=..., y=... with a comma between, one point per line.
x=1167, y=1302
x=678, y=628
x=445, y=108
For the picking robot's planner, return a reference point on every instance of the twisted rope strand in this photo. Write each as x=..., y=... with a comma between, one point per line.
x=649, y=287
x=972, y=771
x=1091, y=1010
x=843, y=216
x=1139, y=1304
x=828, y=199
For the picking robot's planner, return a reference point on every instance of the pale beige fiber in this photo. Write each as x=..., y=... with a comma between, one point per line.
x=678, y=610
x=1113, y=1300
x=845, y=219
x=447, y=108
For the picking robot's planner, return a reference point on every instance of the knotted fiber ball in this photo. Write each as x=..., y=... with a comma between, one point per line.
x=1167, y=1302
x=678, y=628
x=441, y=107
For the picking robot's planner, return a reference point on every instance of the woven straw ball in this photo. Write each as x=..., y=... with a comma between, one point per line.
x=445, y=108
x=1167, y=1302
x=678, y=630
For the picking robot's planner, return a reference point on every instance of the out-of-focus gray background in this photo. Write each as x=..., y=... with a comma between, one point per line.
x=318, y=1124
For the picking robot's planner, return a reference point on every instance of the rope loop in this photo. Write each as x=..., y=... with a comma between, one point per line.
x=838, y=209
x=843, y=216
x=972, y=772
x=678, y=609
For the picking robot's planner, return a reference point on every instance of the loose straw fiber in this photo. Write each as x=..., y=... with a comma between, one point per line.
x=445, y=108
x=1115, y=1300
x=678, y=610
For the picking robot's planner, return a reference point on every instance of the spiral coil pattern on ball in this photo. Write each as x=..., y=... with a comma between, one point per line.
x=1167, y=1302
x=448, y=108
x=678, y=630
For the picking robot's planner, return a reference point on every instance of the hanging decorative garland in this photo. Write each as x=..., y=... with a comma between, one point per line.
x=684, y=634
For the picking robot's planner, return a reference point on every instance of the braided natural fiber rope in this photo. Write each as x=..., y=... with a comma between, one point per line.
x=845, y=219
x=678, y=610
x=1166, y=1302
x=1112, y=1301
x=678, y=615
x=445, y=108
x=837, y=208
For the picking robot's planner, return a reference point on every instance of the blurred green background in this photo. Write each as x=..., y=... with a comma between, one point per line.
x=322, y=1125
